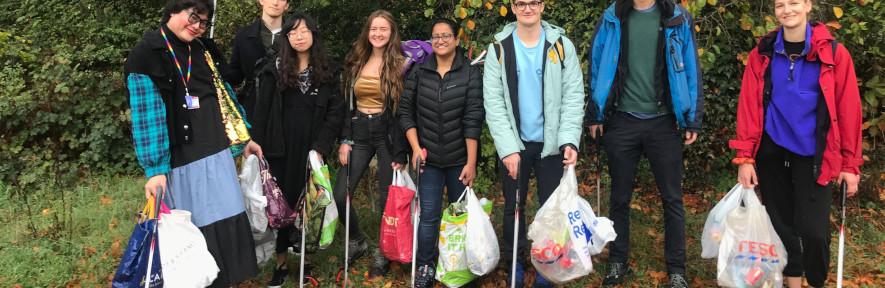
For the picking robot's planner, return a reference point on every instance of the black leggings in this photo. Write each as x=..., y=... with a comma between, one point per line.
x=799, y=209
x=369, y=137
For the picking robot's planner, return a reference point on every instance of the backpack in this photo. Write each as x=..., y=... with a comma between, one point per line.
x=416, y=52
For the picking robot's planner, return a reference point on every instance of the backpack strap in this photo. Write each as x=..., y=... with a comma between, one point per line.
x=499, y=51
x=561, y=52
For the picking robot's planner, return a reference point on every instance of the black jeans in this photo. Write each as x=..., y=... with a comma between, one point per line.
x=433, y=180
x=799, y=209
x=548, y=171
x=369, y=137
x=627, y=138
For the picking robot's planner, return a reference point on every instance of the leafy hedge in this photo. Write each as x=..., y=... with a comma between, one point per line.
x=63, y=111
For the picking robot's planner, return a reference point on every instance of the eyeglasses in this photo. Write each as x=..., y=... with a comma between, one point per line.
x=533, y=4
x=443, y=37
x=193, y=18
x=297, y=33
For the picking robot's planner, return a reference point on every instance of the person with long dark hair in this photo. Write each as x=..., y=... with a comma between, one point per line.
x=186, y=127
x=799, y=125
x=441, y=111
x=373, y=84
x=299, y=109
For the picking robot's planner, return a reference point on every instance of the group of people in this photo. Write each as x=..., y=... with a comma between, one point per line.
x=798, y=122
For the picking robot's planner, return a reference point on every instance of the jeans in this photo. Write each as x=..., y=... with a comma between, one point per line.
x=626, y=139
x=433, y=180
x=369, y=134
x=799, y=209
x=548, y=171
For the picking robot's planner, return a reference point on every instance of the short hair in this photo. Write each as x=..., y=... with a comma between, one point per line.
x=175, y=6
x=454, y=26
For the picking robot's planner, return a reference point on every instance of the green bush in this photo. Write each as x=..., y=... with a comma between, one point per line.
x=64, y=111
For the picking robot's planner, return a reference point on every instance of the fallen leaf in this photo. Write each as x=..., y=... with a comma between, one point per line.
x=658, y=277
x=105, y=200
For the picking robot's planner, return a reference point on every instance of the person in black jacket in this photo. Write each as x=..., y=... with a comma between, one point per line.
x=442, y=111
x=298, y=110
x=252, y=43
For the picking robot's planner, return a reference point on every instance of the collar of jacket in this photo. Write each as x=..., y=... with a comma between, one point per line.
x=457, y=62
x=621, y=8
x=820, y=44
x=553, y=32
x=254, y=29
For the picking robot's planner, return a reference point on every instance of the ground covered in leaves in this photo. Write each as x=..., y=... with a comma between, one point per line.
x=77, y=241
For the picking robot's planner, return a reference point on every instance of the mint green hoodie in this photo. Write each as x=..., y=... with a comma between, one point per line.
x=563, y=95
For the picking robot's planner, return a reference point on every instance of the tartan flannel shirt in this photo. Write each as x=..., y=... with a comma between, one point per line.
x=150, y=133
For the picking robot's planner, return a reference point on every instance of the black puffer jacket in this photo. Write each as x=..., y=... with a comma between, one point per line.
x=445, y=110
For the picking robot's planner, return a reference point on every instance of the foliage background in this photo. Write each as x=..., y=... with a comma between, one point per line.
x=65, y=114
x=64, y=119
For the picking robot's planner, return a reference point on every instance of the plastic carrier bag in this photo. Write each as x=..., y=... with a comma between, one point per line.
x=751, y=253
x=482, y=253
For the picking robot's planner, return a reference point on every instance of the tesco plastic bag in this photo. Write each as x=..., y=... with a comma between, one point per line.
x=186, y=261
x=751, y=253
x=560, y=236
x=482, y=253
x=715, y=225
x=602, y=229
x=253, y=195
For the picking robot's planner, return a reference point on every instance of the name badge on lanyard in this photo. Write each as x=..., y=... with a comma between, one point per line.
x=193, y=102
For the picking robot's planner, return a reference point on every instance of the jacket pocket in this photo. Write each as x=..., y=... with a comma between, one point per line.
x=675, y=51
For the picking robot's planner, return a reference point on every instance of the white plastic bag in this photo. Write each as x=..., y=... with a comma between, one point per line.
x=751, y=253
x=253, y=195
x=602, y=230
x=482, y=253
x=559, y=236
x=184, y=256
x=265, y=245
x=715, y=225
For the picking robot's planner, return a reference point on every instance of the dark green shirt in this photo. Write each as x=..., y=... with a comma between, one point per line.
x=641, y=85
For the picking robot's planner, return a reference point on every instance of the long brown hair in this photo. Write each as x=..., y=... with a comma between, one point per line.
x=391, y=70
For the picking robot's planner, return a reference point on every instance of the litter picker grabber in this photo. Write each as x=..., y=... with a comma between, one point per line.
x=515, y=246
x=158, y=201
x=841, y=259
x=416, y=211
x=347, y=222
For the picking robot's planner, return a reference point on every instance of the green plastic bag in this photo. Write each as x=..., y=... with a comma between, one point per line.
x=451, y=269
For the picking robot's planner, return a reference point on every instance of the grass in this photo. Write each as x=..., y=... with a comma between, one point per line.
x=74, y=236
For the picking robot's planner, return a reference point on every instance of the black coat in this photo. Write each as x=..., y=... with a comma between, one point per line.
x=247, y=50
x=151, y=57
x=267, y=119
x=445, y=110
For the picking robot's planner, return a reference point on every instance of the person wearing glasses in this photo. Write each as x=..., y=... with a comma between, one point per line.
x=441, y=111
x=299, y=109
x=533, y=95
x=799, y=125
x=180, y=108
x=252, y=43
x=646, y=91
x=373, y=84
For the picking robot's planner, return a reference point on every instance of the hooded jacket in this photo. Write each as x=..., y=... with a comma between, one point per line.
x=562, y=86
x=680, y=71
x=838, y=125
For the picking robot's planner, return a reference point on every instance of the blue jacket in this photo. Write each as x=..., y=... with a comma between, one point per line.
x=683, y=89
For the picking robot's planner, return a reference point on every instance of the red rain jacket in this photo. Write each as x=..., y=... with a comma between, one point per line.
x=839, y=125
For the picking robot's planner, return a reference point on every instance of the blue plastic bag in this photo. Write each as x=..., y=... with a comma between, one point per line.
x=134, y=263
